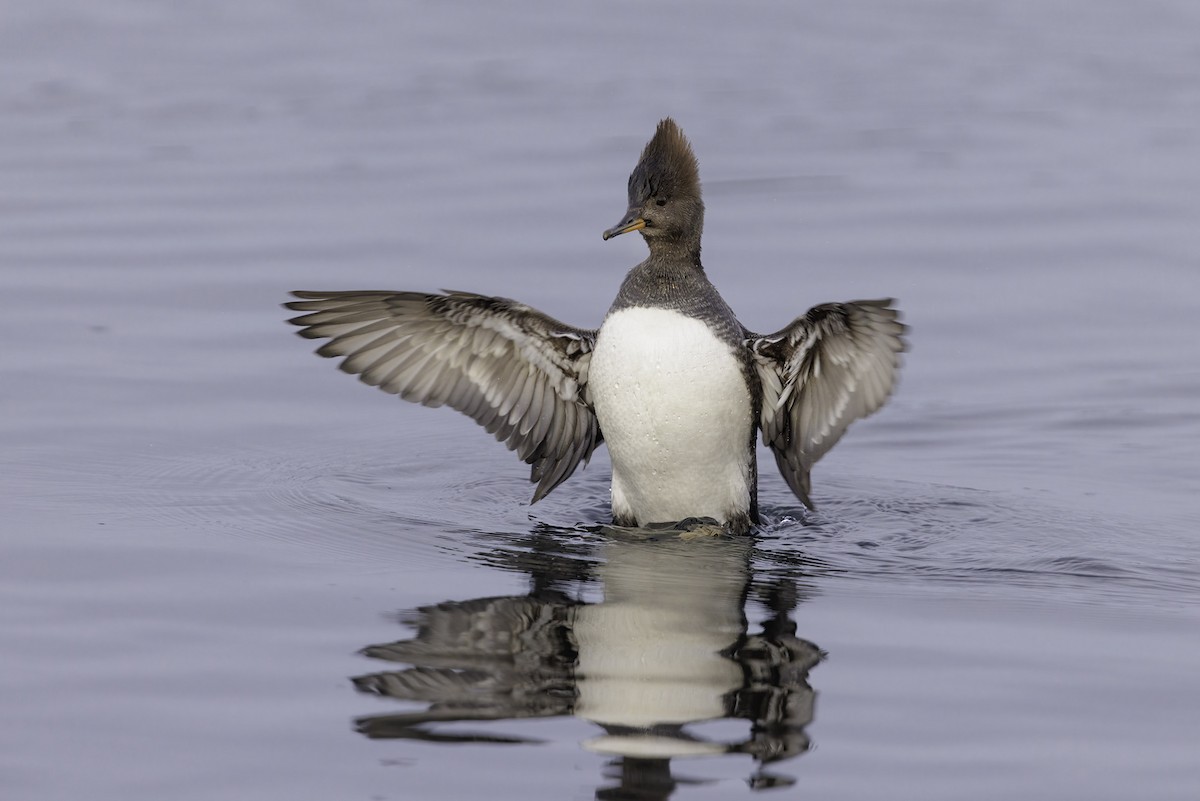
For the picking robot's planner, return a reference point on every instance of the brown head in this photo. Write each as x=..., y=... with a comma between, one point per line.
x=664, y=193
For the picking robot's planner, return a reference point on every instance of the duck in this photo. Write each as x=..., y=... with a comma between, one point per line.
x=671, y=382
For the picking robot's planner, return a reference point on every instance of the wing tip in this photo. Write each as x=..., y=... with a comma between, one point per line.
x=803, y=488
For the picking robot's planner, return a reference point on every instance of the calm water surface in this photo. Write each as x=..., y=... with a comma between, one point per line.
x=229, y=571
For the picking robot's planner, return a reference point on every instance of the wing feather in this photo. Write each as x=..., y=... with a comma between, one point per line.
x=836, y=364
x=515, y=371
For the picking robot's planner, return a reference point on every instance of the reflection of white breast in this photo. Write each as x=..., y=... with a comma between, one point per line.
x=675, y=410
x=651, y=652
x=640, y=667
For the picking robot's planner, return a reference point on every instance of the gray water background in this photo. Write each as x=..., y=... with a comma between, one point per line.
x=203, y=523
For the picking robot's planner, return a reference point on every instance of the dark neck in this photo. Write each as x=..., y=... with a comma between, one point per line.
x=677, y=251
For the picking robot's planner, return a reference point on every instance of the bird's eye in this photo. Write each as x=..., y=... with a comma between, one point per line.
x=662, y=201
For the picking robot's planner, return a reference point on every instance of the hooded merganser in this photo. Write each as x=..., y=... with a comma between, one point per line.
x=671, y=380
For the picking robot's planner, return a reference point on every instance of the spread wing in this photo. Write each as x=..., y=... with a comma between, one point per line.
x=518, y=373
x=832, y=366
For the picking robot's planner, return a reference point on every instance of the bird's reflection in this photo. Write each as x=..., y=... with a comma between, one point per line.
x=667, y=647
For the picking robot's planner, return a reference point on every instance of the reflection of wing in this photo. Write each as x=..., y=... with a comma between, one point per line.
x=776, y=696
x=510, y=632
x=832, y=366
x=484, y=659
x=515, y=371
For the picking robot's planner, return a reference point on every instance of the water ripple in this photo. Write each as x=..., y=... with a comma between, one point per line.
x=904, y=533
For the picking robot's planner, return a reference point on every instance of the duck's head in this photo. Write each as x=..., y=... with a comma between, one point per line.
x=664, y=193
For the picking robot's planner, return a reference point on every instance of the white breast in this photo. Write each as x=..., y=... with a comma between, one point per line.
x=675, y=411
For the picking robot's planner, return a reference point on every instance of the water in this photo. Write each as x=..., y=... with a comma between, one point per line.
x=230, y=571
